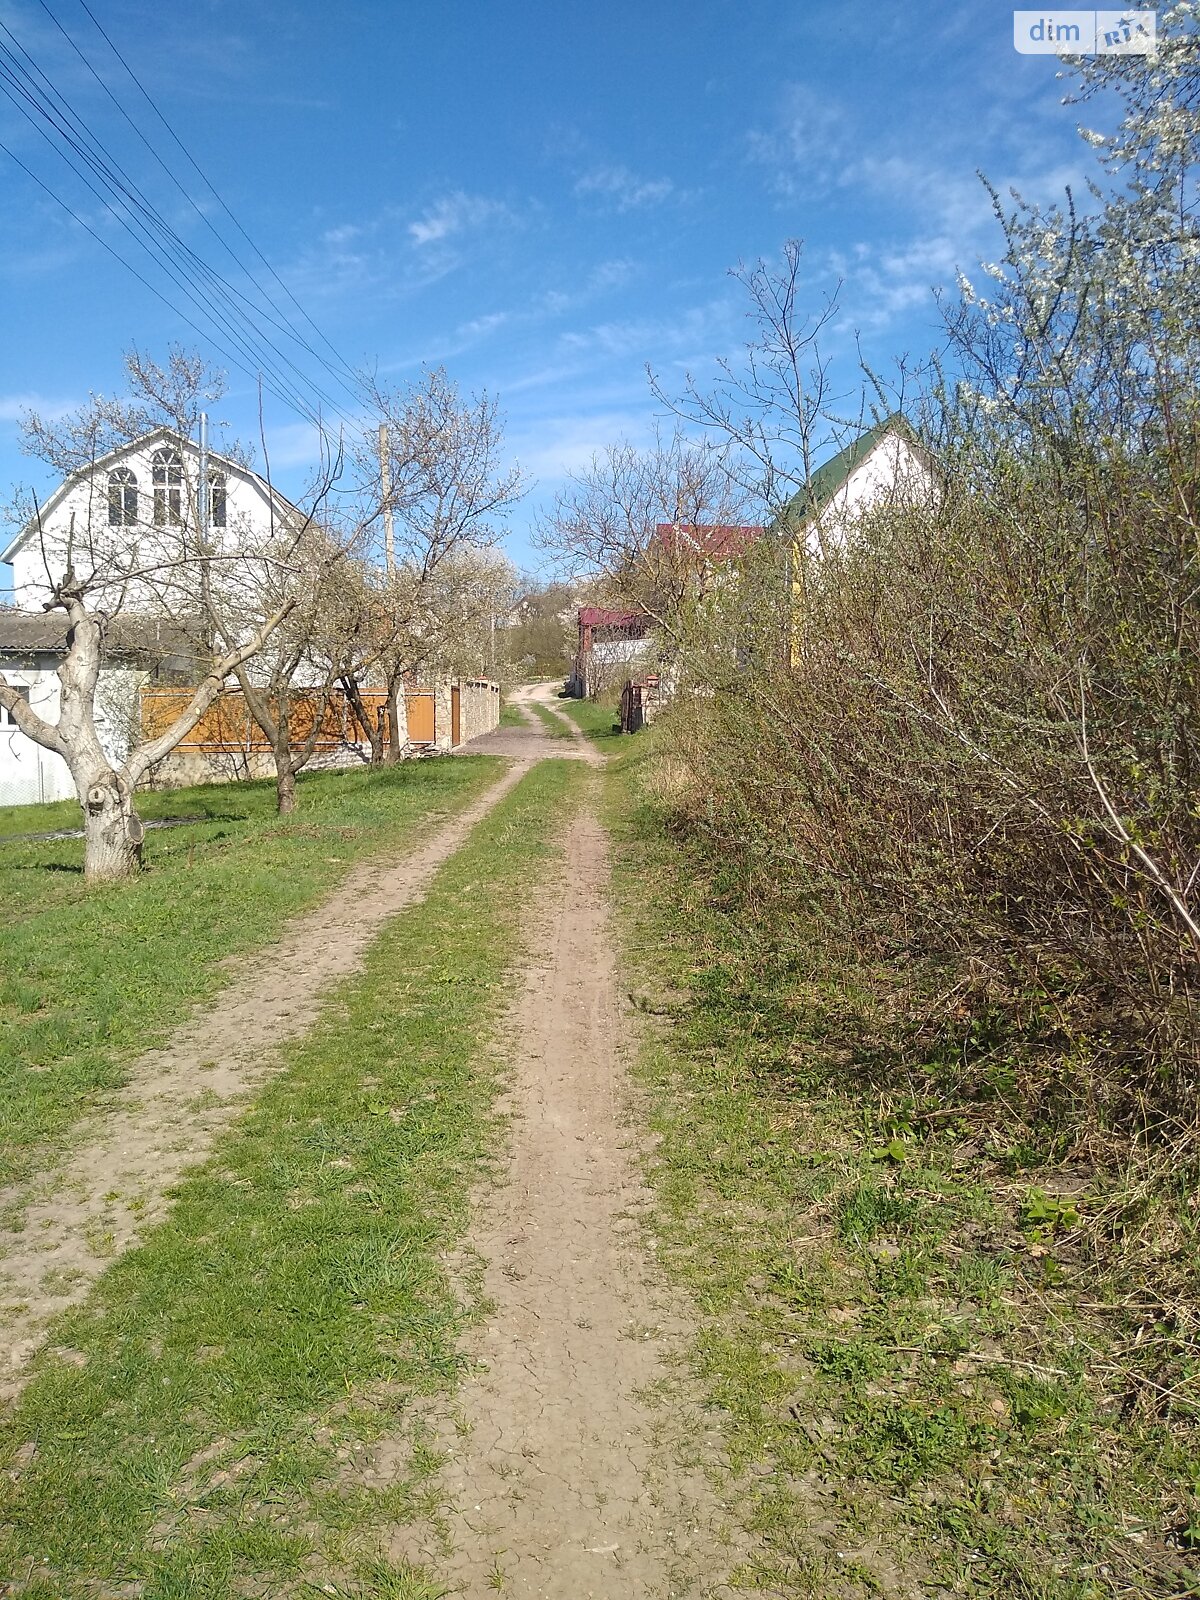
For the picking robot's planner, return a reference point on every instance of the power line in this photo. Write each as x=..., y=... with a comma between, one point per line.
x=286, y=325
x=172, y=251
x=137, y=218
x=144, y=92
x=212, y=295
x=116, y=255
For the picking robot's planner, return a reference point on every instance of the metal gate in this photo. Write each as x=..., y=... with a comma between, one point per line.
x=422, y=722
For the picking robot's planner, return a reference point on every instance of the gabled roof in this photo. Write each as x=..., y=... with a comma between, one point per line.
x=833, y=474
x=714, y=541
x=110, y=457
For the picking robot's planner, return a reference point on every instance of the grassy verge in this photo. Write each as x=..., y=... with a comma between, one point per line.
x=554, y=726
x=937, y=1381
x=510, y=716
x=202, y=1427
x=90, y=977
x=599, y=721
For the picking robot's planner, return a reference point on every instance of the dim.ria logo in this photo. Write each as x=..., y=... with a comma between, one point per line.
x=1085, y=33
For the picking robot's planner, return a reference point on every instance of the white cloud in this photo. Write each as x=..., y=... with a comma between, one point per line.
x=480, y=327
x=697, y=331
x=807, y=145
x=552, y=448
x=625, y=189
x=455, y=213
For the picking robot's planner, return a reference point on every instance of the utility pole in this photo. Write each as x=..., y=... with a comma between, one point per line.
x=202, y=508
x=385, y=484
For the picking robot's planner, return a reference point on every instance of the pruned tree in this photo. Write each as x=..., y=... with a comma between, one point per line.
x=211, y=584
x=290, y=685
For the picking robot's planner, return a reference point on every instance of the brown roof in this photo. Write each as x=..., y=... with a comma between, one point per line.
x=24, y=633
x=606, y=617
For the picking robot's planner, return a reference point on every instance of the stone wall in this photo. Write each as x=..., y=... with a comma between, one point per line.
x=479, y=708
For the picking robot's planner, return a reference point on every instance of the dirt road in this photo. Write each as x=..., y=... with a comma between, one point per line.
x=92, y=1207
x=561, y=1475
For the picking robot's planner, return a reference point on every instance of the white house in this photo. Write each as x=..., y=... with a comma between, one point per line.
x=129, y=519
x=134, y=511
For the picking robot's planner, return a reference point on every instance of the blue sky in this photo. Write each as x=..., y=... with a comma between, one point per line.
x=543, y=198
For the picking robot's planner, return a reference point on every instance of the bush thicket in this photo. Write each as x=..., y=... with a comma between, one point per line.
x=968, y=745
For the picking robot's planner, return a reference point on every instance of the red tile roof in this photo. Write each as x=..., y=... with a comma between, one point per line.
x=716, y=541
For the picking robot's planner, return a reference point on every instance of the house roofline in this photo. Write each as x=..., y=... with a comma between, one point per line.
x=81, y=474
x=832, y=476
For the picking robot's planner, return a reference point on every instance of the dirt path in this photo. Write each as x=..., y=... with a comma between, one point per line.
x=92, y=1208
x=562, y=1487
x=532, y=742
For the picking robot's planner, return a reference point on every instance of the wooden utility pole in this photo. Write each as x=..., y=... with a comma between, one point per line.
x=385, y=484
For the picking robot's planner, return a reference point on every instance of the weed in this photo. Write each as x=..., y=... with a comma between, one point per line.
x=907, y=1376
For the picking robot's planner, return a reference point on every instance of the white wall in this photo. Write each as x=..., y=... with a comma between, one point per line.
x=29, y=774
x=78, y=521
x=893, y=470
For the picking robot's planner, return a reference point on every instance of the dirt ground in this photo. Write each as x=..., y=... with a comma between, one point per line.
x=563, y=1477
x=563, y=1474
x=532, y=742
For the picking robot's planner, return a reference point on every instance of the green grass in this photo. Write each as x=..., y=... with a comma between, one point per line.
x=601, y=722
x=510, y=716
x=933, y=1383
x=554, y=726
x=198, y=1427
x=90, y=977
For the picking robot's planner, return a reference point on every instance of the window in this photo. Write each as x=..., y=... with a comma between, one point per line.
x=168, y=487
x=218, y=505
x=7, y=720
x=122, y=498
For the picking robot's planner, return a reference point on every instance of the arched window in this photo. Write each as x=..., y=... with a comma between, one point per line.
x=122, y=498
x=218, y=506
x=168, y=486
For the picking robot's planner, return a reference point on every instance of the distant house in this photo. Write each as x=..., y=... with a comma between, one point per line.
x=609, y=640
x=681, y=559
x=706, y=544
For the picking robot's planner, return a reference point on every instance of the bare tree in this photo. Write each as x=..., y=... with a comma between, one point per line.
x=446, y=492
x=606, y=523
x=212, y=588
x=289, y=686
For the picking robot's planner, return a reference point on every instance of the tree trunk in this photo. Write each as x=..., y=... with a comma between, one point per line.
x=285, y=764
x=394, y=740
x=371, y=727
x=112, y=830
x=285, y=789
